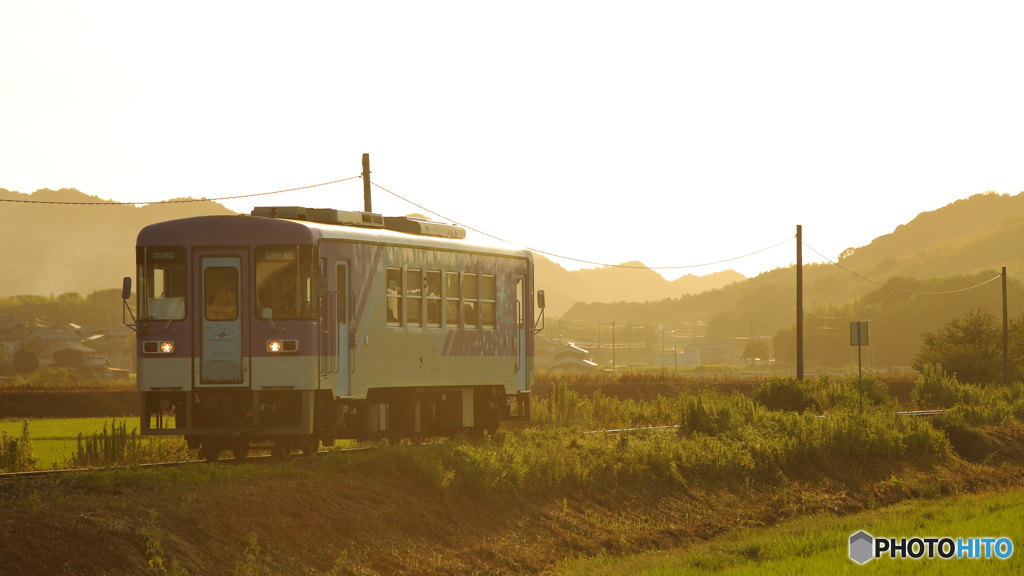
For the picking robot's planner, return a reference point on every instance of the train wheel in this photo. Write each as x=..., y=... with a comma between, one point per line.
x=282, y=449
x=310, y=446
x=209, y=450
x=240, y=448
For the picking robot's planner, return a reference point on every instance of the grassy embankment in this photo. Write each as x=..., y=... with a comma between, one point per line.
x=818, y=544
x=523, y=502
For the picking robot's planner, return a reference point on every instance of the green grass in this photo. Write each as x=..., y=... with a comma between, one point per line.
x=61, y=379
x=818, y=544
x=54, y=440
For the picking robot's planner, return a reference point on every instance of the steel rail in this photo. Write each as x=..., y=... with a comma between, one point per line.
x=231, y=461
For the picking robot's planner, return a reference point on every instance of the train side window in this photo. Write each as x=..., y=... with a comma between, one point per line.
x=452, y=295
x=394, y=296
x=432, y=287
x=470, y=294
x=519, y=303
x=414, y=297
x=488, y=302
x=342, y=278
x=308, y=270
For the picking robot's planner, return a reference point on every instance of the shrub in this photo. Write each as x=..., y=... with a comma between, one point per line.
x=785, y=394
x=117, y=447
x=935, y=389
x=832, y=394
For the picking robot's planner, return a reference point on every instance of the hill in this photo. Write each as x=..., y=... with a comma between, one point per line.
x=890, y=282
x=72, y=247
x=84, y=248
x=632, y=282
x=75, y=248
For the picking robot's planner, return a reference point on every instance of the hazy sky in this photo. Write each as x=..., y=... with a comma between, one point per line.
x=673, y=133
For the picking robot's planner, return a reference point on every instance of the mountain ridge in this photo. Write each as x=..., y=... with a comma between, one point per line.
x=73, y=251
x=936, y=267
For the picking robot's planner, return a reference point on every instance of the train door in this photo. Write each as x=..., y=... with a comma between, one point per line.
x=220, y=322
x=341, y=386
x=521, y=367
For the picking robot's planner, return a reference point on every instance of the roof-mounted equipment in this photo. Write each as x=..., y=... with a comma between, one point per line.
x=422, y=227
x=321, y=215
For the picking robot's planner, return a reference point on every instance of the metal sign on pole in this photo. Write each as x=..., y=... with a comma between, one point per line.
x=859, y=338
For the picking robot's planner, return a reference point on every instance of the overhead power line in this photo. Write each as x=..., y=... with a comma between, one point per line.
x=1018, y=290
x=733, y=259
x=500, y=239
x=179, y=201
x=582, y=261
x=897, y=288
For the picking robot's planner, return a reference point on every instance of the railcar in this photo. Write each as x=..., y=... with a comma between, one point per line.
x=293, y=326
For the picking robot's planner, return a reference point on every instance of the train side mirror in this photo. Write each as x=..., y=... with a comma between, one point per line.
x=540, y=318
x=126, y=293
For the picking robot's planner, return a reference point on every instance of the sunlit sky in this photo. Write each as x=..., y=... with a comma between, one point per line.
x=674, y=133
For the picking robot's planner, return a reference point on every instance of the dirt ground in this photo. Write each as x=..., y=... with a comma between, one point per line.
x=354, y=514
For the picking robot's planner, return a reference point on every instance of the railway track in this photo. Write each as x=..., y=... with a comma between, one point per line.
x=273, y=458
x=258, y=458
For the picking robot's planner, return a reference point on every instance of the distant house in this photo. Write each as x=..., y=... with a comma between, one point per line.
x=116, y=347
x=68, y=355
x=572, y=358
x=66, y=345
x=44, y=341
x=689, y=356
x=13, y=332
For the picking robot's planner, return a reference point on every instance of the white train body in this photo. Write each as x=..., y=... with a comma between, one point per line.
x=255, y=328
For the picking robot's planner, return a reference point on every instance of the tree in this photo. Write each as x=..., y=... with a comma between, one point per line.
x=25, y=362
x=969, y=347
x=1016, y=337
x=756, y=349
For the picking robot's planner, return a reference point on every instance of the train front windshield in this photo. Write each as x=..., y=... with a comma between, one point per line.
x=286, y=282
x=162, y=275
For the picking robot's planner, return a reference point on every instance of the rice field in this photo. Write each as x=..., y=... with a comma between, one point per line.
x=54, y=440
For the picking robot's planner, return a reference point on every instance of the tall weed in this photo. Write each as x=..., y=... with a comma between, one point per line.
x=117, y=446
x=16, y=453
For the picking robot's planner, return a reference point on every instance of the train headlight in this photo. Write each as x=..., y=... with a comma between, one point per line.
x=276, y=346
x=164, y=347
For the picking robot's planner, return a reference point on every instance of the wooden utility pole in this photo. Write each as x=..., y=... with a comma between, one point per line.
x=367, y=202
x=1006, y=335
x=629, y=344
x=799, y=302
x=613, y=346
x=662, y=326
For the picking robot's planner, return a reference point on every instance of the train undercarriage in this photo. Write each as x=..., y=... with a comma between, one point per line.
x=237, y=419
